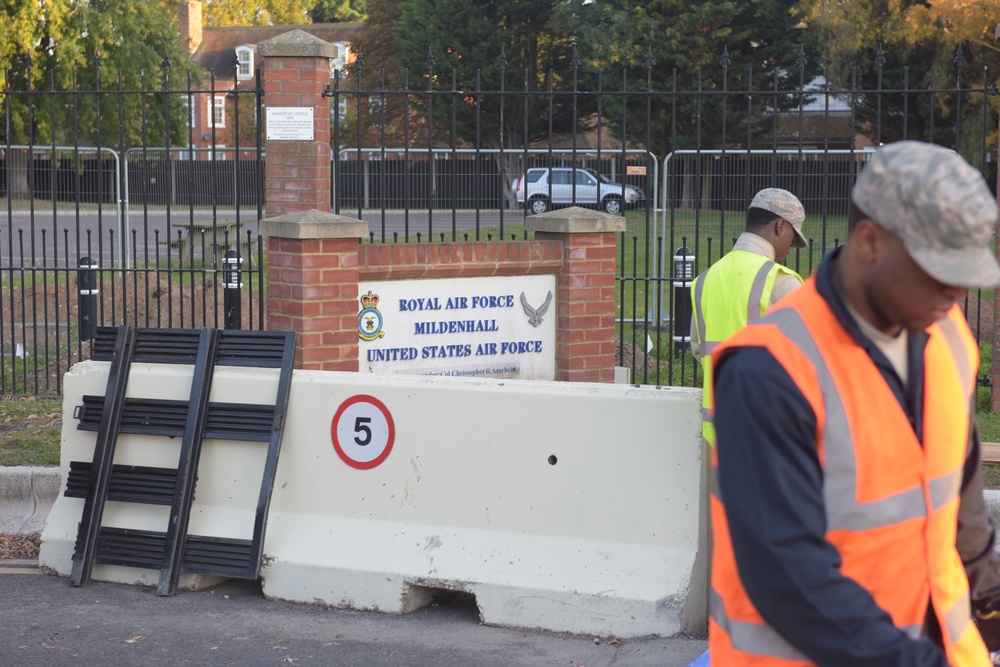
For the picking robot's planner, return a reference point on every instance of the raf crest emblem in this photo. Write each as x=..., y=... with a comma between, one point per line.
x=369, y=319
x=535, y=314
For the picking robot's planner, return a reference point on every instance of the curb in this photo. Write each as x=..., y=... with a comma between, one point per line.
x=26, y=497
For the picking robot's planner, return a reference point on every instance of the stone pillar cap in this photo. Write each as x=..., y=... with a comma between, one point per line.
x=313, y=224
x=296, y=43
x=575, y=220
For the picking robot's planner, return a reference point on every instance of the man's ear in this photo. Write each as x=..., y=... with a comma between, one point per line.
x=867, y=238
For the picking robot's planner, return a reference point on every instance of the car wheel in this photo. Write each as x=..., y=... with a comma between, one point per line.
x=538, y=205
x=612, y=205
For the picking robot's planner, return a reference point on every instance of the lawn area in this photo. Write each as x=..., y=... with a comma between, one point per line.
x=30, y=431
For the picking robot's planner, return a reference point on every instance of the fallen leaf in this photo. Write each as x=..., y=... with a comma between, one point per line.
x=135, y=640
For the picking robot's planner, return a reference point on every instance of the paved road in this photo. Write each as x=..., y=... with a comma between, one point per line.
x=41, y=236
x=45, y=621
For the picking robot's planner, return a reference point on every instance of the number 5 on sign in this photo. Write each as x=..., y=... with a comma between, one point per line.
x=362, y=432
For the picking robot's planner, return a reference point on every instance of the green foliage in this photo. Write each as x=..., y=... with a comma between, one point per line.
x=339, y=11
x=531, y=44
x=233, y=13
x=590, y=46
x=667, y=45
x=917, y=45
x=98, y=46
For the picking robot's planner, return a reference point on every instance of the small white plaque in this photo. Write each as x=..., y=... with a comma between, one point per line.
x=290, y=124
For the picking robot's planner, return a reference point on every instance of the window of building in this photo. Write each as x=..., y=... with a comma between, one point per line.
x=244, y=62
x=217, y=111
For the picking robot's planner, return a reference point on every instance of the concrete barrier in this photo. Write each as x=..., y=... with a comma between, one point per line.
x=26, y=497
x=565, y=506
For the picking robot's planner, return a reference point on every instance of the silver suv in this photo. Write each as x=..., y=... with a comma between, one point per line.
x=542, y=188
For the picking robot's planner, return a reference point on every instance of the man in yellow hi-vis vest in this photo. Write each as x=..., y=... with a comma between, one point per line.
x=741, y=286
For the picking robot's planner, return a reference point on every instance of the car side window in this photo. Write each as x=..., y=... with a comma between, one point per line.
x=534, y=175
x=583, y=178
x=561, y=178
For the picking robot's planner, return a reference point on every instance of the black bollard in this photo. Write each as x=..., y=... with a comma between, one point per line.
x=683, y=277
x=86, y=280
x=232, y=301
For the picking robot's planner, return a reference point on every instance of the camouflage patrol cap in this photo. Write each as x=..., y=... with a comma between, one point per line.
x=783, y=203
x=939, y=205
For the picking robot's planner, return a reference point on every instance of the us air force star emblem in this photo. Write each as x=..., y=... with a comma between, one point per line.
x=535, y=314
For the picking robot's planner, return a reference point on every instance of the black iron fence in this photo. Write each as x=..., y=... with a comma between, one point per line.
x=155, y=209
x=119, y=206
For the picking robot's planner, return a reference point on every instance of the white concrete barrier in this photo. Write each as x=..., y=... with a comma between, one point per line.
x=565, y=506
x=26, y=497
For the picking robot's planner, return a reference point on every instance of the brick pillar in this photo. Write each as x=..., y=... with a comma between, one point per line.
x=312, y=286
x=585, y=331
x=296, y=70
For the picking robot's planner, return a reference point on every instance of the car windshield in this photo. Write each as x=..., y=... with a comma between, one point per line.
x=601, y=177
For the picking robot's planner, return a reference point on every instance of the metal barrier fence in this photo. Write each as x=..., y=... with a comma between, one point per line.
x=127, y=231
x=439, y=160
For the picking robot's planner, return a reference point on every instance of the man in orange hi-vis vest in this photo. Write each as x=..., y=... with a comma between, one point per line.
x=847, y=509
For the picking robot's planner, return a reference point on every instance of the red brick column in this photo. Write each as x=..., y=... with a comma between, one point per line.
x=585, y=347
x=296, y=70
x=312, y=286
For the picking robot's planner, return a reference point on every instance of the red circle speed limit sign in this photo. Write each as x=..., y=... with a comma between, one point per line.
x=363, y=432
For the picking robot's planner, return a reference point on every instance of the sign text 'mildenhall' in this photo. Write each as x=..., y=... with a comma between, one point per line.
x=455, y=326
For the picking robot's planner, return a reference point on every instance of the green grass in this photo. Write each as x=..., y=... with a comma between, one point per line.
x=30, y=430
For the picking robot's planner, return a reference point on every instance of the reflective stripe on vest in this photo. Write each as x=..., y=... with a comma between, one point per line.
x=847, y=515
x=727, y=311
x=840, y=471
x=706, y=347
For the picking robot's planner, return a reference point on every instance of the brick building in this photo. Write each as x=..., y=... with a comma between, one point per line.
x=230, y=55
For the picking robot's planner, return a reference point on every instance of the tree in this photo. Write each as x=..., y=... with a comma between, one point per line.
x=88, y=46
x=666, y=45
x=934, y=46
x=235, y=13
x=501, y=43
x=339, y=11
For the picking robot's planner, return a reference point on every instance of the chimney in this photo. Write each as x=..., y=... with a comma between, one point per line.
x=190, y=19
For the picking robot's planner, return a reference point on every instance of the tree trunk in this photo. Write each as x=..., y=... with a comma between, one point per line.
x=511, y=167
x=17, y=174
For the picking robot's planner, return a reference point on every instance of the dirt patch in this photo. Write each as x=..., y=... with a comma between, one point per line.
x=19, y=546
x=39, y=321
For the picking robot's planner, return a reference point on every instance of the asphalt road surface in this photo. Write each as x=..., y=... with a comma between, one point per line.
x=45, y=621
x=36, y=237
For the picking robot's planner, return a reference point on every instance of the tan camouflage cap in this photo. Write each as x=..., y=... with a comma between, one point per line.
x=939, y=205
x=783, y=203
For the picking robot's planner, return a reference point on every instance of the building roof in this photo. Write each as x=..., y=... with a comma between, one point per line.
x=218, y=45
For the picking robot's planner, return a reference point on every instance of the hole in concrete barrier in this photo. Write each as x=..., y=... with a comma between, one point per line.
x=553, y=460
x=455, y=604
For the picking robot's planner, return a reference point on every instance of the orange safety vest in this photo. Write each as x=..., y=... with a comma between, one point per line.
x=891, y=501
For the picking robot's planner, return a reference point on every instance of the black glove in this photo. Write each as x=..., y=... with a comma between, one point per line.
x=988, y=623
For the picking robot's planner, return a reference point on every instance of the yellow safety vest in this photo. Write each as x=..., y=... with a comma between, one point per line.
x=736, y=290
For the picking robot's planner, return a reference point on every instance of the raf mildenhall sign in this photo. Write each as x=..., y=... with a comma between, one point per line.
x=461, y=327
